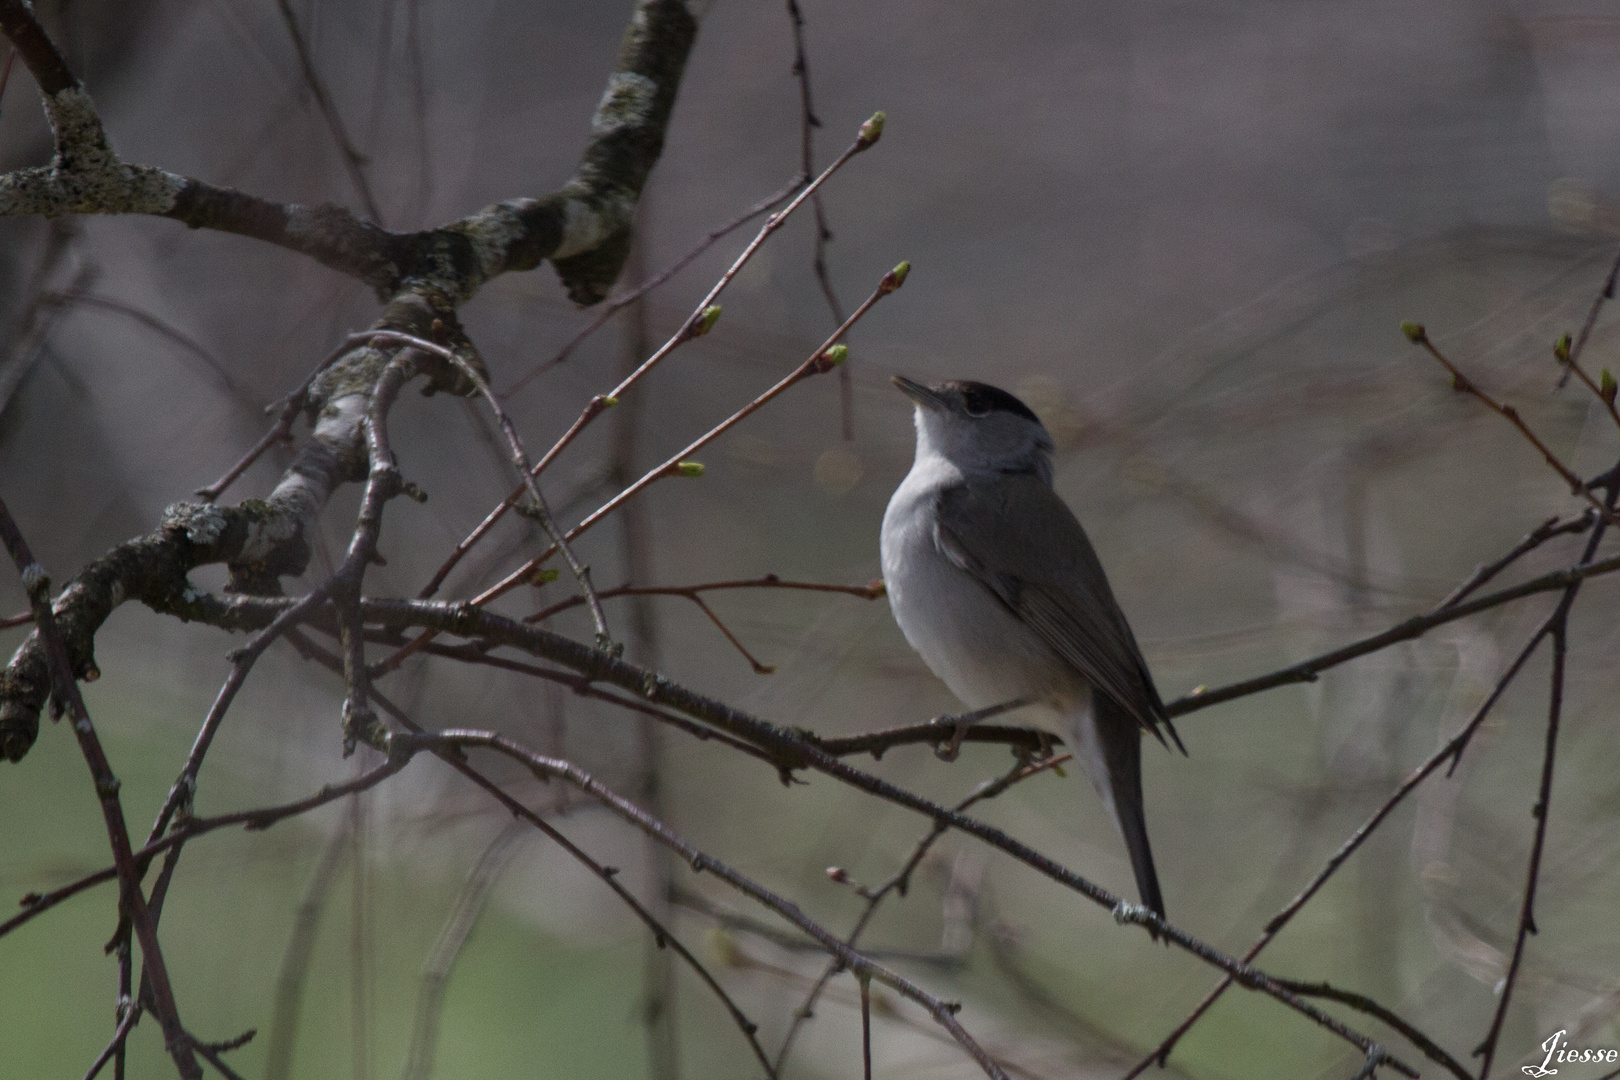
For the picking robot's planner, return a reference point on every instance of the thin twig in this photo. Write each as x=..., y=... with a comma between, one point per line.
x=866, y=1025
x=254, y=820
x=696, y=325
x=520, y=460
x=1604, y=294
x=870, y=591
x=1369, y=1068
x=1565, y=356
x=132, y=1014
x=1309, y=670
x=37, y=584
x=608, y=875
x=353, y=161
x=691, y=592
x=212, y=1054
x=1553, y=526
x=1362, y=1003
x=943, y=1012
x=1419, y=336
x=1527, y=918
x=808, y=122
x=618, y=303
x=1452, y=751
x=822, y=360
x=899, y=882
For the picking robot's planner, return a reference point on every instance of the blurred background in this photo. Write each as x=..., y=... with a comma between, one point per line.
x=1185, y=233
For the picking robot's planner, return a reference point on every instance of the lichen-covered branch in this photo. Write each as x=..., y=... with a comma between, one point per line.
x=261, y=539
x=583, y=229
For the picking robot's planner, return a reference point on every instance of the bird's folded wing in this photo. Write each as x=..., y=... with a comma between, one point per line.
x=1038, y=562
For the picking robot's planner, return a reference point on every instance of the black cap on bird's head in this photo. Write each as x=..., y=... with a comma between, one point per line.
x=976, y=426
x=964, y=396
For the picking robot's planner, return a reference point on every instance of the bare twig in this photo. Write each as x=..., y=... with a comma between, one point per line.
x=943, y=1012
x=1452, y=751
x=1553, y=526
x=354, y=162
x=520, y=460
x=692, y=593
x=37, y=584
x=401, y=747
x=1309, y=670
x=1418, y=336
x=899, y=882
x=213, y=1054
x=1363, y=1003
x=126, y=1024
x=616, y=304
x=1604, y=393
x=870, y=591
x=696, y=325
x=866, y=1025
x=1486, y=1050
x=1369, y=1068
x=1604, y=294
x=184, y=832
x=822, y=360
x=808, y=122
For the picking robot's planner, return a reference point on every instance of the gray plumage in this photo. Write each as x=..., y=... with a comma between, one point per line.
x=996, y=586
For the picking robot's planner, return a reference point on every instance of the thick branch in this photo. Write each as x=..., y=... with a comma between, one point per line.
x=583, y=228
x=261, y=540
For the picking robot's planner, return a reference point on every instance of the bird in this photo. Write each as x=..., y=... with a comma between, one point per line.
x=996, y=586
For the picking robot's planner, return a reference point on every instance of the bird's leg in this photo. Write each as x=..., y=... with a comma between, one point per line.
x=952, y=747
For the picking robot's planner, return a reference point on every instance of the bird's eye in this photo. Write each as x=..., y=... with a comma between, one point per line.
x=975, y=405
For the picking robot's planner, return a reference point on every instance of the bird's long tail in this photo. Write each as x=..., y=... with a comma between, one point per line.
x=1110, y=740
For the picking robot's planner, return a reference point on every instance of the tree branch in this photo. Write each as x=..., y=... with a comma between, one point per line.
x=66, y=690
x=582, y=229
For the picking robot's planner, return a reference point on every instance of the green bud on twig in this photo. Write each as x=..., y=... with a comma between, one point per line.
x=836, y=354
x=1561, y=349
x=894, y=278
x=870, y=131
x=1606, y=386
x=608, y=401
x=705, y=320
x=689, y=468
x=1414, y=332
x=543, y=575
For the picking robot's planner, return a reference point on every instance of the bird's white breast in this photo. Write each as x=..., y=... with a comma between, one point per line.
x=964, y=634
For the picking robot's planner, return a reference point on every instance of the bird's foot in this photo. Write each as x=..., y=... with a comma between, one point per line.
x=952, y=747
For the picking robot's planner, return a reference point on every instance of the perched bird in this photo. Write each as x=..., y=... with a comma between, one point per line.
x=995, y=585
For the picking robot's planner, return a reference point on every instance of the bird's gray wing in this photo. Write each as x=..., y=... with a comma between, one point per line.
x=1018, y=539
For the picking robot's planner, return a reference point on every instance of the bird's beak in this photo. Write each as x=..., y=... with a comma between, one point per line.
x=919, y=393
